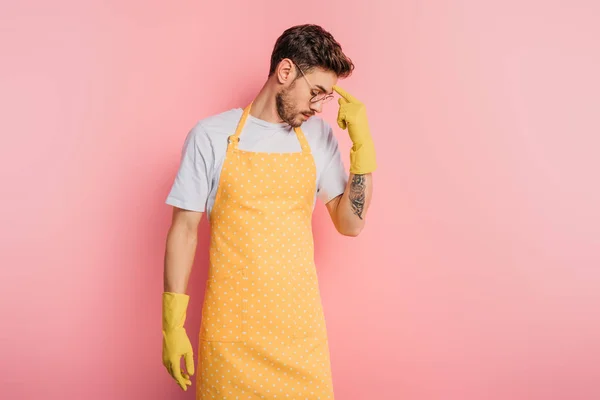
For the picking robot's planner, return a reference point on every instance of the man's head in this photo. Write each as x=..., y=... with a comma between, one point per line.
x=305, y=64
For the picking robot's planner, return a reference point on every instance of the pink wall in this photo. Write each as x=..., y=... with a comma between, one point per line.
x=477, y=276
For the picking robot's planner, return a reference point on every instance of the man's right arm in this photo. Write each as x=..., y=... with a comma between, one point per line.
x=182, y=239
x=188, y=196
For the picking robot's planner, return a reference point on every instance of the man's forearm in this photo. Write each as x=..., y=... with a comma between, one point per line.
x=179, y=258
x=352, y=209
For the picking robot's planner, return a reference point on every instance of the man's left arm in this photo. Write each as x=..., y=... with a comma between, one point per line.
x=348, y=211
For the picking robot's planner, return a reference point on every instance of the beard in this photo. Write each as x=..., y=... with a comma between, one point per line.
x=286, y=110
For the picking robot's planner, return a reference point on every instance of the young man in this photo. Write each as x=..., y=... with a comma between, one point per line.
x=256, y=173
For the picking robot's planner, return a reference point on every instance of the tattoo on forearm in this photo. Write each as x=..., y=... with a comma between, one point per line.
x=357, y=194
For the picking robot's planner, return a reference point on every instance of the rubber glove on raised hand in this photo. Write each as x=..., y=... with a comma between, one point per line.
x=352, y=114
x=175, y=340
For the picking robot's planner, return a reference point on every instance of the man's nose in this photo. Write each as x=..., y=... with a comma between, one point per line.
x=317, y=107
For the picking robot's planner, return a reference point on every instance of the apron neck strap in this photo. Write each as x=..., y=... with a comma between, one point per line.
x=235, y=138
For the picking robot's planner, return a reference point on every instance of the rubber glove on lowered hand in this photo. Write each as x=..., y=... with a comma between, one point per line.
x=353, y=115
x=175, y=340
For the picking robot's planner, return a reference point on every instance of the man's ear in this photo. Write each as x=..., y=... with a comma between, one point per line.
x=284, y=71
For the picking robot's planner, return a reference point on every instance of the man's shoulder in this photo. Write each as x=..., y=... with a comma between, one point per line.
x=209, y=134
x=217, y=125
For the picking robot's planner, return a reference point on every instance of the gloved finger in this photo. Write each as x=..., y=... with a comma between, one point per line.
x=177, y=374
x=342, y=101
x=189, y=363
x=341, y=119
x=182, y=386
x=186, y=378
x=347, y=96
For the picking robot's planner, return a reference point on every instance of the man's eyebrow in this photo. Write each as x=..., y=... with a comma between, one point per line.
x=323, y=89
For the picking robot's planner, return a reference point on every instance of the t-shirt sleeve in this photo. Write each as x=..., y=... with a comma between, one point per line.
x=190, y=188
x=334, y=176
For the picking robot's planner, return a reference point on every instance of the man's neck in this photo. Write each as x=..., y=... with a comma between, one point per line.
x=264, y=106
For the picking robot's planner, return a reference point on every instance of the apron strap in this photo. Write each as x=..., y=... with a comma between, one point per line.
x=302, y=139
x=234, y=139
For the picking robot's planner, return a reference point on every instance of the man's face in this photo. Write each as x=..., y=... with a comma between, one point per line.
x=294, y=101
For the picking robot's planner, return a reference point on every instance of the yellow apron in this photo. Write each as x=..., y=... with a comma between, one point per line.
x=263, y=333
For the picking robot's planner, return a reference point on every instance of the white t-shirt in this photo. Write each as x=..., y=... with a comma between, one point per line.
x=203, y=153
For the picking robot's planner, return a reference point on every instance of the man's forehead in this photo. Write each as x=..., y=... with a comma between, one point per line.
x=324, y=80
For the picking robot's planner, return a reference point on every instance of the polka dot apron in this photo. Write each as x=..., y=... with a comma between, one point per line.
x=262, y=333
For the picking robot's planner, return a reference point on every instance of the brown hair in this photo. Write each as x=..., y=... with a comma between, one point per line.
x=310, y=46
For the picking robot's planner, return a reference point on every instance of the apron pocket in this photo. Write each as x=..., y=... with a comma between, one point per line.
x=222, y=310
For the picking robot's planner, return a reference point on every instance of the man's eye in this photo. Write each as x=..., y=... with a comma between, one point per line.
x=314, y=93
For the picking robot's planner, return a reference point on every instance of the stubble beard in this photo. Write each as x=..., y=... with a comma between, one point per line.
x=285, y=109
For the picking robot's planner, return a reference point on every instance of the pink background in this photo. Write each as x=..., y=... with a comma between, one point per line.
x=477, y=276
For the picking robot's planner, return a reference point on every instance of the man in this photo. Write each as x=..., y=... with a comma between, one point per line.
x=256, y=173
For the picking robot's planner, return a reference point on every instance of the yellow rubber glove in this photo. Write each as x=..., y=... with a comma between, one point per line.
x=353, y=115
x=175, y=340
